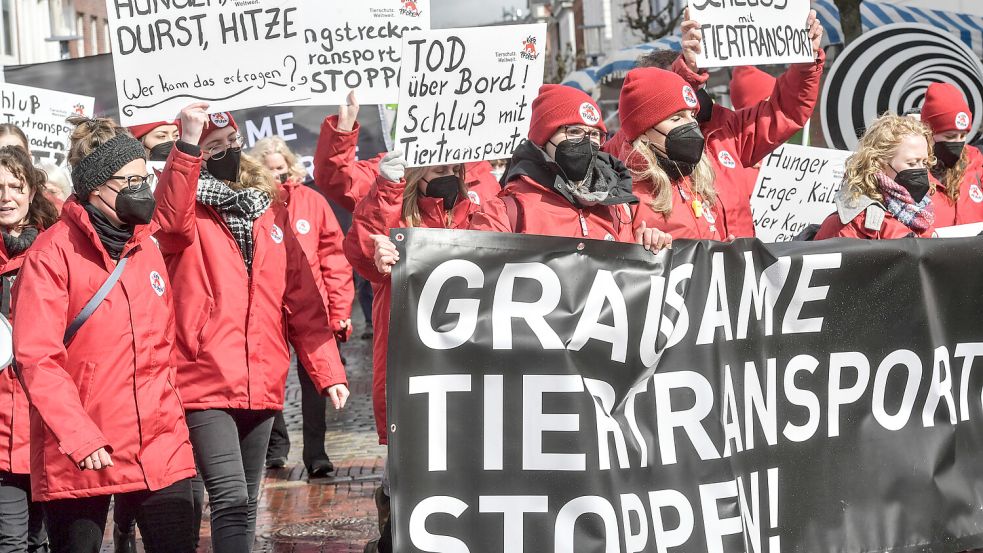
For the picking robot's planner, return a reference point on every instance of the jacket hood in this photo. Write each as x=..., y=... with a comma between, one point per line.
x=609, y=175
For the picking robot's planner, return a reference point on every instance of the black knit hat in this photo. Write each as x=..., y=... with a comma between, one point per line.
x=96, y=168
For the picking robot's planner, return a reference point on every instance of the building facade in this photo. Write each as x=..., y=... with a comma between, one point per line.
x=38, y=31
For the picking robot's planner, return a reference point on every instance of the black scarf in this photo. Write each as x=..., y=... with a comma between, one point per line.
x=608, y=174
x=113, y=238
x=16, y=245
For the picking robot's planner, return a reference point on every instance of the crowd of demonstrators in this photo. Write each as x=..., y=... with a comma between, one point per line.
x=320, y=237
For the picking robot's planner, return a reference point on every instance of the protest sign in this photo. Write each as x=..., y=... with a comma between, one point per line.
x=232, y=55
x=795, y=188
x=725, y=398
x=738, y=32
x=41, y=114
x=465, y=94
x=356, y=46
x=960, y=231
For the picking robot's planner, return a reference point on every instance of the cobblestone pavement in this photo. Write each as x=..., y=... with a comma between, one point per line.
x=329, y=515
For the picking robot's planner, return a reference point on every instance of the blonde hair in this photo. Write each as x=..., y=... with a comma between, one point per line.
x=876, y=148
x=644, y=166
x=253, y=174
x=411, y=210
x=952, y=177
x=276, y=145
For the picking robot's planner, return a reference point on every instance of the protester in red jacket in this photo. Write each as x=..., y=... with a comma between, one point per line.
x=157, y=138
x=346, y=180
x=106, y=420
x=957, y=176
x=885, y=187
x=559, y=183
x=749, y=86
x=24, y=212
x=320, y=236
x=243, y=287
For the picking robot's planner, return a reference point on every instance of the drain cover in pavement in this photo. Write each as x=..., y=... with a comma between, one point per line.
x=341, y=528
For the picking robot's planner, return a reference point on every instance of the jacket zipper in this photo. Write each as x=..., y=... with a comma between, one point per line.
x=583, y=222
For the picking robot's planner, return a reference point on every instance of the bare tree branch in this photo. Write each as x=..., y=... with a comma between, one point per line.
x=651, y=25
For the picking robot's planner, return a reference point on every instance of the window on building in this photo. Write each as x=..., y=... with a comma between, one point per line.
x=9, y=26
x=109, y=43
x=80, y=30
x=95, y=41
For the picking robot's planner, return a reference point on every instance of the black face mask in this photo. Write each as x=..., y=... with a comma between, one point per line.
x=445, y=188
x=685, y=144
x=706, y=106
x=227, y=168
x=576, y=159
x=948, y=153
x=915, y=181
x=134, y=206
x=161, y=151
x=283, y=177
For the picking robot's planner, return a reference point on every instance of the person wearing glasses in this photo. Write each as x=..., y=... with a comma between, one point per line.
x=559, y=183
x=24, y=213
x=244, y=290
x=97, y=366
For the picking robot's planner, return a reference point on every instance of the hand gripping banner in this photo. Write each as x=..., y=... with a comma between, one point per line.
x=558, y=395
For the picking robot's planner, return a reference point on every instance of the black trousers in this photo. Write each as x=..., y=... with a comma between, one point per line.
x=312, y=406
x=21, y=520
x=230, y=449
x=165, y=518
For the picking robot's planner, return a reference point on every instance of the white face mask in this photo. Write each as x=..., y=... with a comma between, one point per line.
x=498, y=173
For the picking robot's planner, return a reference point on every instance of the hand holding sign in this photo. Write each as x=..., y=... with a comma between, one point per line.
x=193, y=120
x=735, y=32
x=815, y=32
x=692, y=41
x=348, y=113
x=386, y=254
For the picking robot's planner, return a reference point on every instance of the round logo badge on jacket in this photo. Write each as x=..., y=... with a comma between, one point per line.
x=690, y=97
x=589, y=114
x=220, y=120
x=962, y=120
x=157, y=283
x=303, y=226
x=726, y=159
x=708, y=213
x=474, y=197
x=276, y=233
x=975, y=193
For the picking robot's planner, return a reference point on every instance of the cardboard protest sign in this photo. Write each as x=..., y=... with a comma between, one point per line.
x=738, y=32
x=795, y=188
x=357, y=46
x=465, y=94
x=41, y=114
x=233, y=55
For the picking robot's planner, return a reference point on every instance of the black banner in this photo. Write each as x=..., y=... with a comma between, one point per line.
x=299, y=126
x=556, y=395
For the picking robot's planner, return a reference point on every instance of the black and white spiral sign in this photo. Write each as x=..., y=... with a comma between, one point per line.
x=889, y=69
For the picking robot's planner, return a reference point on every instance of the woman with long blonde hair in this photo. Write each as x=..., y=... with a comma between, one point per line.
x=885, y=188
x=429, y=197
x=665, y=151
x=321, y=237
x=243, y=290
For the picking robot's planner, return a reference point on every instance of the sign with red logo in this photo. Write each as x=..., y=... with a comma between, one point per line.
x=466, y=94
x=357, y=46
x=41, y=114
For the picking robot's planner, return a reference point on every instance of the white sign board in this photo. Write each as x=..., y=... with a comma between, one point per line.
x=232, y=54
x=796, y=187
x=41, y=114
x=357, y=46
x=752, y=33
x=960, y=231
x=466, y=94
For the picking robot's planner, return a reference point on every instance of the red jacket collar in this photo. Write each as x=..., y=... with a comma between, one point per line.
x=73, y=213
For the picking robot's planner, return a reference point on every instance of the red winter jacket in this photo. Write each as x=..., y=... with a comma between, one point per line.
x=113, y=386
x=15, y=426
x=380, y=211
x=321, y=238
x=969, y=207
x=544, y=212
x=233, y=327
x=834, y=227
x=346, y=180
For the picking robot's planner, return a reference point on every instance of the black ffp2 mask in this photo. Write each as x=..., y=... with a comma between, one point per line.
x=915, y=181
x=226, y=168
x=134, y=206
x=161, y=151
x=948, y=153
x=446, y=188
x=576, y=159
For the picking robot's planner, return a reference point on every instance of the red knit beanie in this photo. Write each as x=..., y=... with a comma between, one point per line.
x=140, y=131
x=945, y=109
x=217, y=122
x=649, y=96
x=749, y=86
x=558, y=105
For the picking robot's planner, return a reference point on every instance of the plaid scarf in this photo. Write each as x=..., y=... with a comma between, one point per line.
x=918, y=217
x=238, y=208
